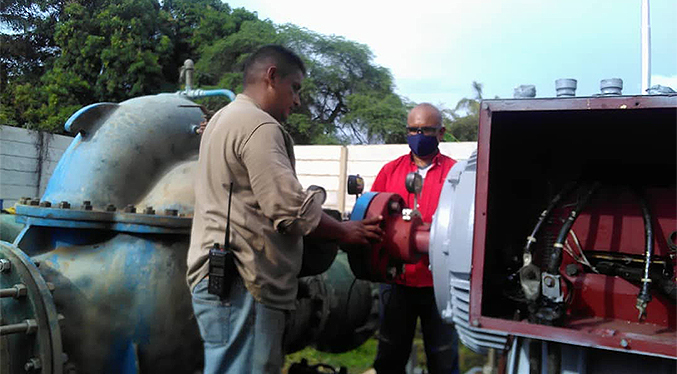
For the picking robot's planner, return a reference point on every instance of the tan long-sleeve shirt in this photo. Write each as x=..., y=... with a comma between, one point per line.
x=270, y=211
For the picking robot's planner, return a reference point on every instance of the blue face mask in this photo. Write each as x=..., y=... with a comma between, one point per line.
x=422, y=145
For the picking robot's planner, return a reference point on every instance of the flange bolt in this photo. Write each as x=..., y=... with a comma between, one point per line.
x=5, y=265
x=33, y=364
x=64, y=205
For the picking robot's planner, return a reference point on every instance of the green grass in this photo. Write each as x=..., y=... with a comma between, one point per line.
x=360, y=360
x=357, y=361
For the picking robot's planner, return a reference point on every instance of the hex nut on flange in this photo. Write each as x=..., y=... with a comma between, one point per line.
x=5, y=265
x=149, y=210
x=111, y=208
x=64, y=205
x=21, y=290
x=45, y=204
x=130, y=209
x=33, y=364
x=86, y=205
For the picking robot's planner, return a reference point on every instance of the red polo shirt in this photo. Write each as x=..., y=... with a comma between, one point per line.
x=391, y=179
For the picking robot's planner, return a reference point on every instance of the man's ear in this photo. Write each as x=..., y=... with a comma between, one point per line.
x=271, y=75
x=440, y=136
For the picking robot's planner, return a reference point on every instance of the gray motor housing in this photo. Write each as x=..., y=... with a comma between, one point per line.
x=451, y=244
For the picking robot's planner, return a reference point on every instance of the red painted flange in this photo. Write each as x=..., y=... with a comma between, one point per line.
x=403, y=241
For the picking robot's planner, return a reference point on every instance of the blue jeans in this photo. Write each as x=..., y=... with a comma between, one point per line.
x=240, y=334
x=402, y=306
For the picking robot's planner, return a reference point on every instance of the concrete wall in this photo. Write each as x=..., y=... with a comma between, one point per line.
x=28, y=158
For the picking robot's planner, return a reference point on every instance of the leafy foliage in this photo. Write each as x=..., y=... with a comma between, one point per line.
x=463, y=122
x=59, y=55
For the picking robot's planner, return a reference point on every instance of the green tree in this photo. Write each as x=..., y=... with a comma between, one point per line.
x=26, y=50
x=67, y=54
x=346, y=96
x=465, y=118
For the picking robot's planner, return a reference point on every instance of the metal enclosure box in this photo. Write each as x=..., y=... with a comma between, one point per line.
x=527, y=149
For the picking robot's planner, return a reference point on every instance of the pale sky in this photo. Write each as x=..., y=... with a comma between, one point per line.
x=435, y=49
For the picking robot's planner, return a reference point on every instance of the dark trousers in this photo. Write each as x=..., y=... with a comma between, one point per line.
x=402, y=306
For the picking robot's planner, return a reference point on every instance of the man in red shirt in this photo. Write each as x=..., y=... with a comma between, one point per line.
x=412, y=295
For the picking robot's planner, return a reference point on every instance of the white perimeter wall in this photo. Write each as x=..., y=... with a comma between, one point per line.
x=28, y=158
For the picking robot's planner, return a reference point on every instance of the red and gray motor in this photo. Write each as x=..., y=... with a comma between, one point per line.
x=554, y=243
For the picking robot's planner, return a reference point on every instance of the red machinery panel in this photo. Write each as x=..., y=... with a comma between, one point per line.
x=528, y=151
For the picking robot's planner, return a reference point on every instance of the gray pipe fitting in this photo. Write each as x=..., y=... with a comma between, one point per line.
x=566, y=87
x=524, y=91
x=611, y=86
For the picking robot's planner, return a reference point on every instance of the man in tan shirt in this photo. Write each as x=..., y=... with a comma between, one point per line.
x=244, y=144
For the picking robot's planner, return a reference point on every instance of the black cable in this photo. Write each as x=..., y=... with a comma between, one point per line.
x=544, y=215
x=644, y=296
x=554, y=260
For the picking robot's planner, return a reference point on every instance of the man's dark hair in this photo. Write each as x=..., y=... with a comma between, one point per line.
x=285, y=60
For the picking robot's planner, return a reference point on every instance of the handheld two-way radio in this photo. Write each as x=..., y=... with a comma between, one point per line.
x=222, y=270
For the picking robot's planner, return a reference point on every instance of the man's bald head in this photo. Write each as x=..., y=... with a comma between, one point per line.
x=424, y=115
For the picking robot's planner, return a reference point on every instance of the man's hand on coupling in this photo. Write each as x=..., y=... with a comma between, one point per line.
x=362, y=232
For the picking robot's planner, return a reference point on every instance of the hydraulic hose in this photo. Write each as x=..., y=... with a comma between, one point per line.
x=644, y=296
x=544, y=215
x=554, y=260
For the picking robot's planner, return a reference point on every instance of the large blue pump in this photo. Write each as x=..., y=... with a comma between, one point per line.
x=95, y=282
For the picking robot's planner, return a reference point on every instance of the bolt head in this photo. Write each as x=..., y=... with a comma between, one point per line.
x=33, y=364
x=130, y=209
x=171, y=212
x=111, y=208
x=64, y=205
x=549, y=281
x=624, y=343
x=149, y=210
x=5, y=265
x=572, y=270
x=33, y=202
x=476, y=322
x=45, y=204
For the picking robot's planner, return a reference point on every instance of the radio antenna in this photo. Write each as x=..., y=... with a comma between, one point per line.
x=226, y=244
